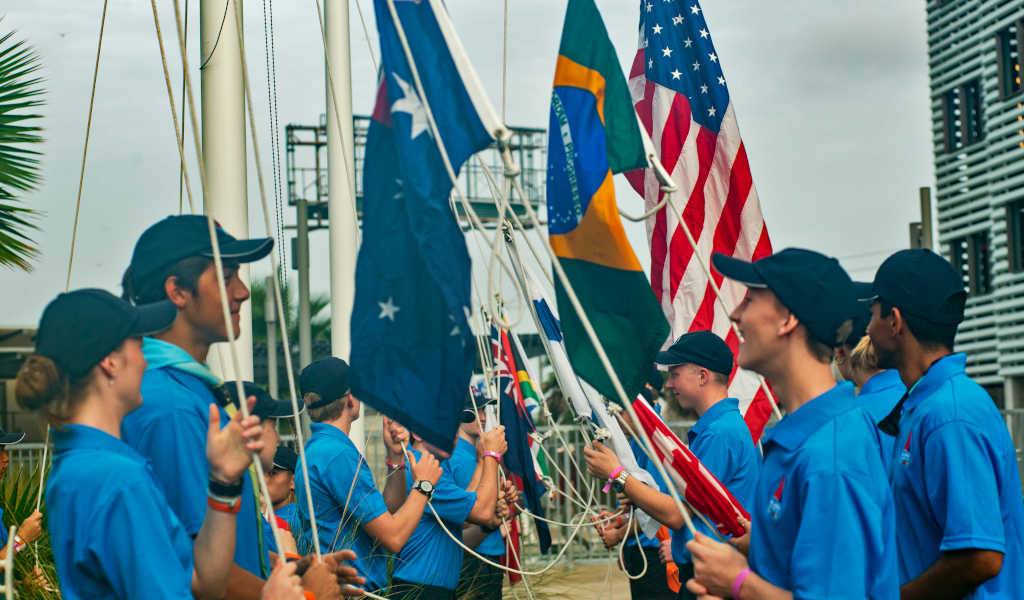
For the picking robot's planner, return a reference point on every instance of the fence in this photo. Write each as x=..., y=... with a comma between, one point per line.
x=568, y=472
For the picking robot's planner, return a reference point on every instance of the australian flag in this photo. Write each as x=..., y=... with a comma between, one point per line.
x=412, y=348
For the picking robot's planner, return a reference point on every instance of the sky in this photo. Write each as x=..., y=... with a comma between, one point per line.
x=832, y=101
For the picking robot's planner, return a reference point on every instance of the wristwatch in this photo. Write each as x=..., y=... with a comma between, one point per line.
x=619, y=483
x=424, y=487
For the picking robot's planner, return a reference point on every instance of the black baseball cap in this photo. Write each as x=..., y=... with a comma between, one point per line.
x=473, y=403
x=13, y=437
x=181, y=236
x=327, y=377
x=862, y=317
x=656, y=379
x=921, y=283
x=811, y=285
x=266, y=407
x=78, y=329
x=701, y=348
x=285, y=458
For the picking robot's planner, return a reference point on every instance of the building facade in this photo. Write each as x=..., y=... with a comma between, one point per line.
x=977, y=101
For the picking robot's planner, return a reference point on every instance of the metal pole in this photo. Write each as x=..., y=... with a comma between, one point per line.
x=340, y=187
x=223, y=130
x=302, y=262
x=926, y=217
x=270, y=318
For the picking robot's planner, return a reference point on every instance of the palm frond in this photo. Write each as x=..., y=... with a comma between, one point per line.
x=21, y=91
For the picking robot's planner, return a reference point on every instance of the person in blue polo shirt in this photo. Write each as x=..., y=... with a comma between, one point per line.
x=112, y=532
x=350, y=511
x=172, y=260
x=428, y=566
x=699, y=366
x=281, y=484
x=953, y=468
x=822, y=519
x=878, y=389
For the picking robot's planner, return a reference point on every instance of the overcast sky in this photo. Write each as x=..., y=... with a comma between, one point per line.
x=832, y=101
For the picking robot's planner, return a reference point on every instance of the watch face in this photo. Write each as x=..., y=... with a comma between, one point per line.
x=426, y=487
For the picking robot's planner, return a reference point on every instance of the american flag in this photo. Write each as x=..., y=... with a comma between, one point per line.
x=680, y=94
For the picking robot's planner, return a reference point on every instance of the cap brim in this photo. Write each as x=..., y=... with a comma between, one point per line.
x=154, y=318
x=667, y=359
x=864, y=291
x=278, y=465
x=11, y=438
x=245, y=251
x=738, y=270
x=281, y=410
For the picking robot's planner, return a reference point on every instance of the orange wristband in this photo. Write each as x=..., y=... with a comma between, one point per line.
x=224, y=506
x=309, y=595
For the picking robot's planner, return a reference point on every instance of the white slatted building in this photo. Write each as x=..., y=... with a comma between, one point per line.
x=977, y=100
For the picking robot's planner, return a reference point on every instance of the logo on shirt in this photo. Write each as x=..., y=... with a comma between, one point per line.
x=905, y=453
x=775, y=502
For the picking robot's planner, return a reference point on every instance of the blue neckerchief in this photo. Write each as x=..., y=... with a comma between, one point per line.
x=160, y=354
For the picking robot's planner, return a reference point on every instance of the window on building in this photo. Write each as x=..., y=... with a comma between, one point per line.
x=971, y=258
x=1009, y=49
x=1015, y=235
x=962, y=115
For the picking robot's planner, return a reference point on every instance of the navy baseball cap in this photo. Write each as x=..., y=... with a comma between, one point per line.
x=79, y=329
x=181, y=236
x=921, y=283
x=266, y=407
x=701, y=348
x=11, y=438
x=285, y=458
x=861, y=289
x=327, y=377
x=473, y=403
x=811, y=285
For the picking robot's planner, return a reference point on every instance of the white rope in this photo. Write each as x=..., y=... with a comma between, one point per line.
x=279, y=304
x=622, y=545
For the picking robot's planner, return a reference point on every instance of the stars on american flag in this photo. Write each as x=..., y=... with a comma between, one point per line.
x=678, y=19
x=695, y=9
x=657, y=29
x=666, y=52
x=677, y=74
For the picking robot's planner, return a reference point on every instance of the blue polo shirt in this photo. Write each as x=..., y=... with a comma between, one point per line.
x=463, y=465
x=878, y=396
x=112, y=533
x=823, y=520
x=344, y=497
x=644, y=463
x=4, y=534
x=431, y=557
x=720, y=439
x=169, y=430
x=290, y=513
x=954, y=478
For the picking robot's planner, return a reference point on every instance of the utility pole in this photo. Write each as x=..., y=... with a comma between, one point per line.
x=223, y=112
x=342, y=224
x=270, y=318
x=921, y=231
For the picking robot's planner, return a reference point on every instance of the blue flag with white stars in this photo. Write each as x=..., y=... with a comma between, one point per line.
x=412, y=348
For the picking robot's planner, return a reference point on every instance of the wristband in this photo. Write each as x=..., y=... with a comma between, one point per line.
x=308, y=595
x=19, y=544
x=611, y=477
x=493, y=455
x=224, y=490
x=289, y=557
x=225, y=505
x=393, y=467
x=738, y=582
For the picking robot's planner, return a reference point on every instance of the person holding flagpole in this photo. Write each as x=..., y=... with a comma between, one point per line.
x=953, y=467
x=112, y=531
x=822, y=520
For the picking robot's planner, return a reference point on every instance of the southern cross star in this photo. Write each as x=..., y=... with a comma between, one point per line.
x=388, y=309
x=410, y=104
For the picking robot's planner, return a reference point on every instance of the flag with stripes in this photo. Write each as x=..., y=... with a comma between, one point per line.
x=680, y=94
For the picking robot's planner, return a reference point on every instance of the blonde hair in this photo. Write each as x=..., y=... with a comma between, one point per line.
x=328, y=412
x=43, y=386
x=863, y=356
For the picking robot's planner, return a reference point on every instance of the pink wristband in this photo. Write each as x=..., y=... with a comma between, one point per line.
x=611, y=477
x=493, y=455
x=738, y=583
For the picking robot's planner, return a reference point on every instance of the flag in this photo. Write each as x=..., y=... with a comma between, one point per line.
x=513, y=550
x=593, y=133
x=412, y=348
x=680, y=94
x=700, y=488
x=521, y=456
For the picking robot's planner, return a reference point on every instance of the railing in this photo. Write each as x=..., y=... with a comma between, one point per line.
x=567, y=471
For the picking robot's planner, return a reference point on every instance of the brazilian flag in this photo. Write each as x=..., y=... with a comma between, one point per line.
x=594, y=133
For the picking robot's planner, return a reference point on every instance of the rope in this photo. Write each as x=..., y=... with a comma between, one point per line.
x=366, y=34
x=270, y=55
x=181, y=172
x=216, y=42
x=622, y=546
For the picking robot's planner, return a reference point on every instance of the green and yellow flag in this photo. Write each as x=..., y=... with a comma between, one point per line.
x=594, y=133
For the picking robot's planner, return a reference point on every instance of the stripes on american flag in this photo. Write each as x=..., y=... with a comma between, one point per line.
x=680, y=94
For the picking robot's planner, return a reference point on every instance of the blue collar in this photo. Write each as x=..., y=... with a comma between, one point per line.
x=462, y=443
x=881, y=381
x=330, y=431
x=935, y=377
x=711, y=415
x=796, y=427
x=160, y=354
x=72, y=437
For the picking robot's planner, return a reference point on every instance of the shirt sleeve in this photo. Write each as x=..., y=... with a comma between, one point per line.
x=175, y=444
x=352, y=486
x=462, y=468
x=131, y=544
x=841, y=524
x=452, y=503
x=960, y=478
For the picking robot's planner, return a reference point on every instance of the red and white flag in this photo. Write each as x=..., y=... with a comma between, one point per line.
x=679, y=92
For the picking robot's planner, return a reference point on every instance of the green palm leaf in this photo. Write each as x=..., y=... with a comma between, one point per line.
x=20, y=92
